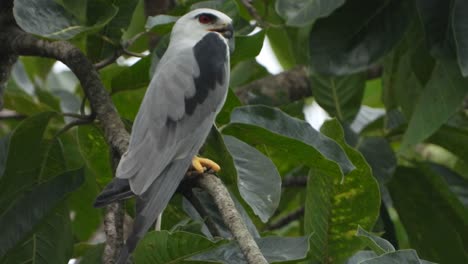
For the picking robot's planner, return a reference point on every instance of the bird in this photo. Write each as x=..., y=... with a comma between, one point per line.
x=186, y=92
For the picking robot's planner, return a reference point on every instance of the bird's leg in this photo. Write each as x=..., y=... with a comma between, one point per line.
x=201, y=164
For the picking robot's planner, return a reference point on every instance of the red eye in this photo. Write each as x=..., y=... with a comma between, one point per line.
x=205, y=19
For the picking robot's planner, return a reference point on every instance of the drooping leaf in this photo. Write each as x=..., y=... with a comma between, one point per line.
x=93, y=255
x=48, y=19
x=51, y=242
x=303, y=12
x=356, y=35
x=430, y=205
x=335, y=207
x=245, y=72
x=376, y=243
x=29, y=208
x=75, y=7
x=247, y=47
x=231, y=102
x=22, y=103
x=380, y=156
x=442, y=97
x=460, y=32
x=275, y=250
x=258, y=180
x=164, y=247
x=270, y=126
x=340, y=96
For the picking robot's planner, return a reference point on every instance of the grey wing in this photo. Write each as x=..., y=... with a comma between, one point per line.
x=177, y=112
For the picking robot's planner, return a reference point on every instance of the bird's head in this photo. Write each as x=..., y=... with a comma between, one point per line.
x=194, y=25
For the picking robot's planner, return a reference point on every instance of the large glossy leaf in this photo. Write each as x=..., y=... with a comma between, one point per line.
x=442, y=97
x=356, y=35
x=95, y=152
x=460, y=32
x=29, y=208
x=303, y=12
x=261, y=125
x=160, y=24
x=97, y=47
x=48, y=19
x=380, y=156
x=430, y=205
x=75, y=7
x=401, y=256
x=258, y=180
x=335, y=207
x=22, y=103
x=275, y=250
x=340, y=96
x=51, y=242
x=282, y=46
x=164, y=247
x=247, y=47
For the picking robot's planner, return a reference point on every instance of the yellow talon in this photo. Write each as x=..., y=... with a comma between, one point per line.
x=201, y=164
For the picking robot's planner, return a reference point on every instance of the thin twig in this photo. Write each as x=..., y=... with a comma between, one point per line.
x=285, y=220
x=253, y=12
x=294, y=181
x=211, y=184
x=72, y=124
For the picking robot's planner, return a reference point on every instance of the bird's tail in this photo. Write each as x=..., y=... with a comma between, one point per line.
x=118, y=189
x=152, y=202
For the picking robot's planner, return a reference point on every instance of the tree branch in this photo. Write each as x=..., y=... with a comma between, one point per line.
x=294, y=215
x=281, y=88
x=211, y=184
x=17, y=42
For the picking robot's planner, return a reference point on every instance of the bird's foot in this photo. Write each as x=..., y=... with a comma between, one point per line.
x=200, y=165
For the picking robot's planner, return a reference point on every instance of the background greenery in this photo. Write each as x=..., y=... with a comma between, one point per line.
x=400, y=173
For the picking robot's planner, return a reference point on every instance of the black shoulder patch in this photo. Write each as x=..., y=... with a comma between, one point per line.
x=210, y=54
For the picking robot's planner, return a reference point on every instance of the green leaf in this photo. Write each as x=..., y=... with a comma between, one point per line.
x=261, y=125
x=48, y=19
x=406, y=71
x=51, y=242
x=246, y=71
x=30, y=207
x=259, y=182
x=93, y=255
x=282, y=46
x=442, y=97
x=164, y=247
x=95, y=152
x=231, y=102
x=460, y=32
x=435, y=221
x=17, y=177
x=216, y=150
x=376, y=243
x=97, y=47
x=37, y=67
x=380, y=156
x=356, y=35
x=247, y=47
x=303, y=12
x=22, y=103
x=407, y=256
x=275, y=250
x=75, y=7
x=451, y=138
x=335, y=207
x=340, y=96
x=133, y=77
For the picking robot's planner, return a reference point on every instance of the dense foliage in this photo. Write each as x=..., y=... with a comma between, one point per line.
x=393, y=161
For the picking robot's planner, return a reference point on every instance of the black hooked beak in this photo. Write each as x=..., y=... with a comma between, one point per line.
x=227, y=31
